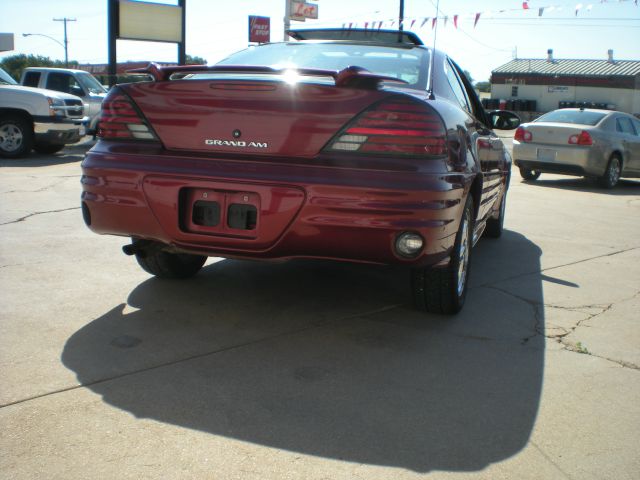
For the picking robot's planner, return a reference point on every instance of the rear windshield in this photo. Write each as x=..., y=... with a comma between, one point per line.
x=578, y=117
x=409, y=64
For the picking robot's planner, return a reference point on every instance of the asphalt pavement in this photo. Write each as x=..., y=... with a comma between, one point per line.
x=319, y=370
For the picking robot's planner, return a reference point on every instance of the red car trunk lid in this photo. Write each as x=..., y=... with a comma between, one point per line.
x=249, y=117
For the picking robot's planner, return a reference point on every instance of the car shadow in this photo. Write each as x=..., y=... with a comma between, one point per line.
x=580, y=184
x=69, y=154
x=330, y=360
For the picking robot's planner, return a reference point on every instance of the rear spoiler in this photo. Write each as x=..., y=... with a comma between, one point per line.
x=350, y=76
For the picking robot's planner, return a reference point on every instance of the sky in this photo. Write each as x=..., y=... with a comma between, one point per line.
x=576, y=29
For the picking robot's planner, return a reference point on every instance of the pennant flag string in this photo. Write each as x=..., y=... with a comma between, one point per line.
x=421, y=22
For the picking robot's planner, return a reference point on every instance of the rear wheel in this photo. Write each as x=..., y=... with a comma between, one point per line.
x=16, y=137
x=443, y=290
x=612, y=173
x=169, y=265
x=48, y=147
x=529, y=174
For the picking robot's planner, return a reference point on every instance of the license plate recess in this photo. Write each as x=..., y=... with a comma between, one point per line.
x=219, y=212
x=547, y=154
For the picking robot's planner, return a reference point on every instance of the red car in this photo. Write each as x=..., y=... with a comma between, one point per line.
x=352, y=145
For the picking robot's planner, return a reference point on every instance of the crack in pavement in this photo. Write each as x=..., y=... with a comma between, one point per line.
x=535, y=306
x=41, y=189
x=577, y=262
x=550, y=460
x=312, y=326
x=560, y=338
x=22, y=219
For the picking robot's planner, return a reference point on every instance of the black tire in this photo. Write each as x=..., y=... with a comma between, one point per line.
x=47, y=148
x=495, y=226
x=529, y=174
x=169, y=265
x=16, y=137
x=612, y=173
x=443, y=290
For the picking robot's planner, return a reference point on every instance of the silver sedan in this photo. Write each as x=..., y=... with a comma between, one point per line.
x=601, y=144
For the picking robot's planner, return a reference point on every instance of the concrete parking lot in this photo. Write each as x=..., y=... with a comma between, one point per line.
x=319, y=370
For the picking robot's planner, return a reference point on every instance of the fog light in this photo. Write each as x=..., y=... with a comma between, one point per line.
x=409, y=244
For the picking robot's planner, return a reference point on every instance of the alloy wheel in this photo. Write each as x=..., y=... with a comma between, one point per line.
x=10, y=137
x=463, y=255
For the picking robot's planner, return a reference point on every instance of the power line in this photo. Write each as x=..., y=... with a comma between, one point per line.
x=570, y=25
x=542, y=19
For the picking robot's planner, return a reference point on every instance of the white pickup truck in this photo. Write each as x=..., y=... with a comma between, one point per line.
x=39, y=119
x=74, y=82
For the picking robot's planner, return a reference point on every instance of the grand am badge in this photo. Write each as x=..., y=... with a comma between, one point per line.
x=214, y=142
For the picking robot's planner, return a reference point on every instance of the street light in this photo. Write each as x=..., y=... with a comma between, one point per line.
x=50, y=38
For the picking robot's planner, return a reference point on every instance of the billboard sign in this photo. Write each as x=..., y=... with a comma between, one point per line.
x=150, y=21
x=259, y=29
x=301, y=10
x=6, y=42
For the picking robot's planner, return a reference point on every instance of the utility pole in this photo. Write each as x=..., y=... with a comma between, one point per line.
x=66, y=42
x=287, y=18
x=401, y=16
x=182, y=47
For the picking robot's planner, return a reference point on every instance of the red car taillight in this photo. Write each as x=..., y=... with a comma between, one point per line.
x=523, y=135
x=120, y=119
x=583, y=138
x=397, y=126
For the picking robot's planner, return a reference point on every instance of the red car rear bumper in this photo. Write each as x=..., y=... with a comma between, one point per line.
x=313, y=210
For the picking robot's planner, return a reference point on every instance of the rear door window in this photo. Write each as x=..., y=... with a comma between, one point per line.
x=624, y=125
x=459, y=93
x=31, y=79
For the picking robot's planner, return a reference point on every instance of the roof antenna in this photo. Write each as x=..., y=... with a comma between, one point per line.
x=401, y=21
x=433, y=54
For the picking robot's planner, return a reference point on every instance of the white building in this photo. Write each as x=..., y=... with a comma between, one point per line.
x=555, y=83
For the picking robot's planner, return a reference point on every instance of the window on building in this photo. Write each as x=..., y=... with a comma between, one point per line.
x=514, y=91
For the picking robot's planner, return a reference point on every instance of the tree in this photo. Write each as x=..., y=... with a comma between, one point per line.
x=15, y=64
x=467, y=74
x=195, y=60
x=483, y=86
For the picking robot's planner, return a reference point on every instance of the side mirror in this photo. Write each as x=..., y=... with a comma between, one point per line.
x=504, y=120
x=77, y=91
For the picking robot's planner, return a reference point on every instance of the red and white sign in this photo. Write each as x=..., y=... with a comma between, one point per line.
x=259, y=29
x=301, y=10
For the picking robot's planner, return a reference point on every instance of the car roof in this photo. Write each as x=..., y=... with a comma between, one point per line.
x=53, y=69
x=358, y=35
x=607, y=113
x=593, y=110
